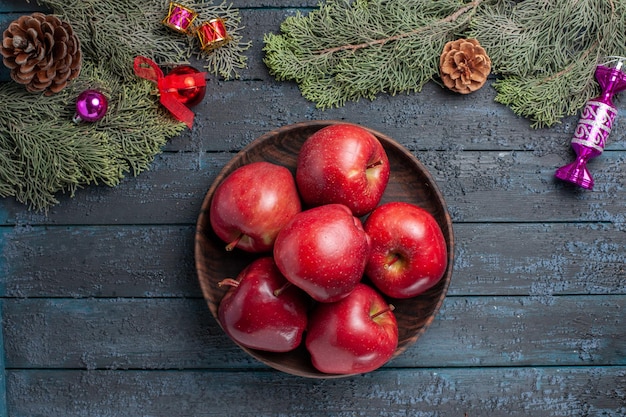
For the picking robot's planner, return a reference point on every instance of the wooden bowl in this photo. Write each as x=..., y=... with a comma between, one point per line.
x=409, y=181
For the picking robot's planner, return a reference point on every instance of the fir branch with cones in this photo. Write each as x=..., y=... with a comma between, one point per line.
x=92, y=45
x=543, y=53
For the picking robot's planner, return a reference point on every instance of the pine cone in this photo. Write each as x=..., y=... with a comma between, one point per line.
x=42, y=52
x=464, y=65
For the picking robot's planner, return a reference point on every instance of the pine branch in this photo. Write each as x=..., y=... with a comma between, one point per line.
x=227, y=60
x=115, y=32
x=545, y=53
x=451, y=18
x=350, y=50
x=43, y=153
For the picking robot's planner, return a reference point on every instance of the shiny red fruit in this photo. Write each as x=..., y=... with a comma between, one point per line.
x=354, y=335
x=262, y=310
x=252, y=204
x=409, y=253
x=343, y=164
x=323, y=250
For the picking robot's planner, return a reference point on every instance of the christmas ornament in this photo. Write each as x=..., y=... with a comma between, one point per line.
x=170, y=87
x=191, y=93
x=595, y=123
x=464, y=65
x=91, y=106
x=44, y=154
x=180, y=18
x=212, y=34
x=42, y=52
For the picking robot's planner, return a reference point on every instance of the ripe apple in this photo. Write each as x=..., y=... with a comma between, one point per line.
x=343, y=164
x=409, y=253
x=262, y=310
x=323, y=250
x=356, y=334
x=252, y=204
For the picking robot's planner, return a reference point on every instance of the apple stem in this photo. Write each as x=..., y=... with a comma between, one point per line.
x=280, y=290
x=234, y=243
x=389, y=308
x=393, y=260
x=228, y=281
x=375, y=164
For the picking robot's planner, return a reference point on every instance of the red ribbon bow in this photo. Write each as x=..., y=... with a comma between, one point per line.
x=167, y=86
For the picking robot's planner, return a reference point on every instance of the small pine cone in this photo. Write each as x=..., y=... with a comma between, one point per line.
x=42, y=52
x=464, y=65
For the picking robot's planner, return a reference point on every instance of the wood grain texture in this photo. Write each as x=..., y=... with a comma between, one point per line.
x=424, y=120
x=177, y=333
x=543, y=260
x=4, y=412
x=515, y=392
x=103, y=315
x=478, y=186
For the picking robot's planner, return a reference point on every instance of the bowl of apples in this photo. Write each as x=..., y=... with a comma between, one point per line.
x=324, y=249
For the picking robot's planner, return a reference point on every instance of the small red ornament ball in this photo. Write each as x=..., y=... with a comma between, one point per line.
x=191, y=94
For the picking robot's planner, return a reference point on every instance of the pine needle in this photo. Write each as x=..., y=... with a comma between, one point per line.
x=347, y=50
x=43, y=153
x=544, y=52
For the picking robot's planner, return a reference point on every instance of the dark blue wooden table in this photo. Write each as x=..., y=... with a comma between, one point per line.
x=102, y=313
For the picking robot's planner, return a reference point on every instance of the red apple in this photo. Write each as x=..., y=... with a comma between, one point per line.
x=262, y=310
x=409, y=253
x=252, y=204
x=354, y=335
x=343, y=164
x=323, y=250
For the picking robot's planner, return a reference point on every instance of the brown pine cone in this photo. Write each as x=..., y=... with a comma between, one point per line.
x=464, y=65
x=42, y=52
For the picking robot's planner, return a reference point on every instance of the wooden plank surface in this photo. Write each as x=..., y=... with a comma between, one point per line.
x=4, y=412
x=157, y=260
x=9, y=11
x=125, y=333
x=515, y=392
x=102, y=314
x=479, y=186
